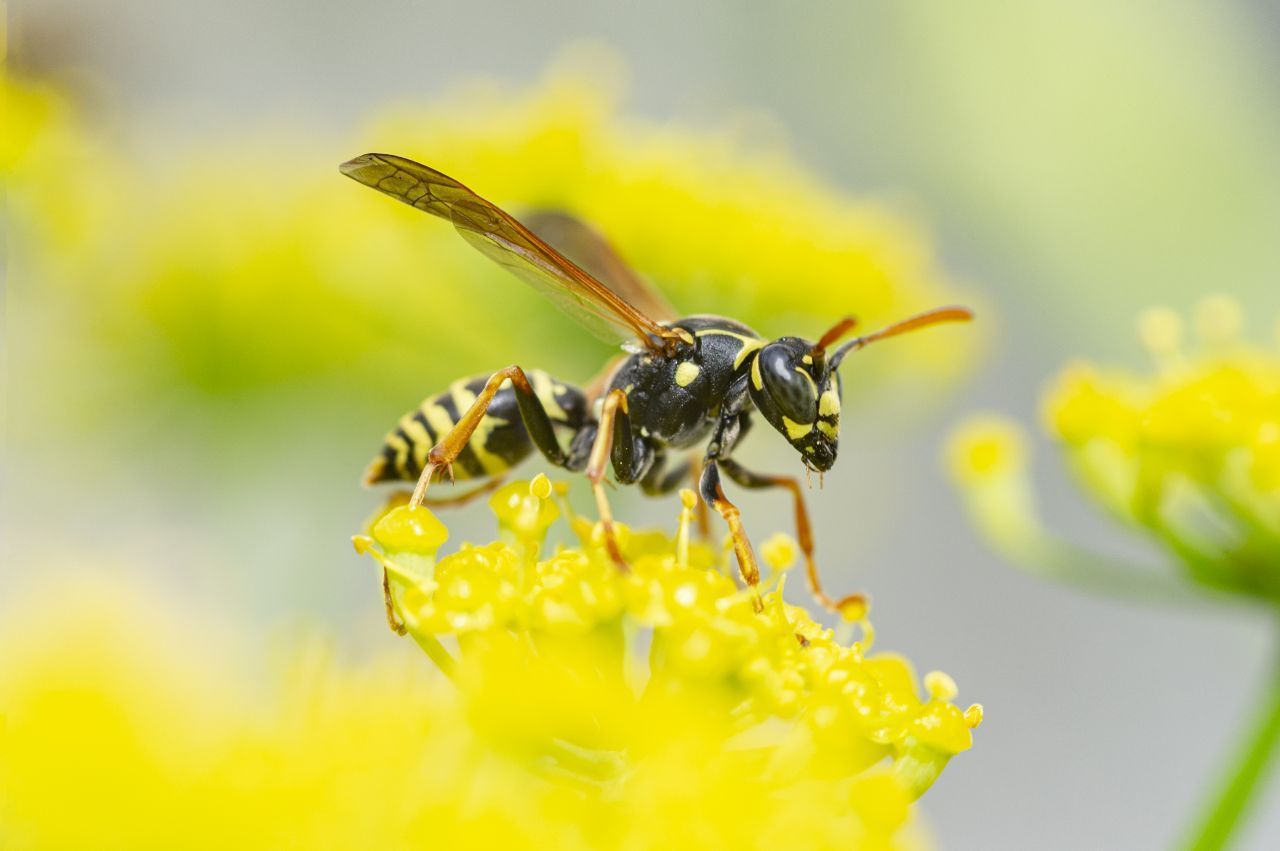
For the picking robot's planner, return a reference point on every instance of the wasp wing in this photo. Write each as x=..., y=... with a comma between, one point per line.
x=504, y=240
x=587, y=247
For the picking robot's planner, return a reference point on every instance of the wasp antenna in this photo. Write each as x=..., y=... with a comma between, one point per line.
x=844, y=326
x=913, y=323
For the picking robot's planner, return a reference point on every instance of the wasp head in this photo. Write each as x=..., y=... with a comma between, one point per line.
x=798, y=393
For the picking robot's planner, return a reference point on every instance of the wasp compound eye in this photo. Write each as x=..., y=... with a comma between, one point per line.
x=788, y=382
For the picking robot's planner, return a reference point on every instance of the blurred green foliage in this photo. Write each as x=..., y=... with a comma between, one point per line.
x=245, y=269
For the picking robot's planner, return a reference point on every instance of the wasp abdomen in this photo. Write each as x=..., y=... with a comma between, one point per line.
x=499, y=443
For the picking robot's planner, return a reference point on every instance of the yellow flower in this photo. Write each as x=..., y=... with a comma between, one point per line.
x=584, y=709
x=60, y=183
x=252, y=265
x=1189, y=454
x=659, y=692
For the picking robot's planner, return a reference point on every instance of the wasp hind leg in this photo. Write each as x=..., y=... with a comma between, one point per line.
x=532, y=413
x=851, y=606
x=458, y=500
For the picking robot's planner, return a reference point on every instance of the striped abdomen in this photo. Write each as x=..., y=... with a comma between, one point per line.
x=499, y=442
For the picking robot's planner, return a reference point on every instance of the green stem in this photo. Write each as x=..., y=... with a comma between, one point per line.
x=1224, y=812
x=1006, y=515
x=436, y=653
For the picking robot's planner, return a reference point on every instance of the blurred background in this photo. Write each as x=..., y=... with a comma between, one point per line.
x=208, y=330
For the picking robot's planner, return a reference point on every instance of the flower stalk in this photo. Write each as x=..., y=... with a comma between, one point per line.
x=1225, y=809
x=1189, y=457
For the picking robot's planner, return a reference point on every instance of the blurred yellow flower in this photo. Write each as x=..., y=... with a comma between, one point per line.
x=248, y=264
x=583, y=708
x=57, y=177
x=1189, y=454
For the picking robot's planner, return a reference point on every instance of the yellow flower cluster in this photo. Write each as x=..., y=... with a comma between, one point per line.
x=126, y=726
x=584, y=709
x=658, y=694
x=1189, y=453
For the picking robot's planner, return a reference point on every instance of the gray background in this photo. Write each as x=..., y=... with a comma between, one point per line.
x=1075, y=162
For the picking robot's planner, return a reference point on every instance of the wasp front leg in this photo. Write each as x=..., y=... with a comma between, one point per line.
x=851, y=606
x=532, y=414
x=732, y=424
x=713, y=495
x=631, y=459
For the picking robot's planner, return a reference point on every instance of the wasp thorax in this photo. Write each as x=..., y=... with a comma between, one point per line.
x=800, y=397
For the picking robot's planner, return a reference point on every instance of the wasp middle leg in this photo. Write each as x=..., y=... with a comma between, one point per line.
x=849, y=604
x=660, y=481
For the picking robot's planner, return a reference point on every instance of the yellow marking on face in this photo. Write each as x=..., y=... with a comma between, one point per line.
x=756, y=379
x=796, y=430
x=828, y=429
x=829, y=404
x=686, y=373
x=749, y=344
x=546, y=393
x=808, y=359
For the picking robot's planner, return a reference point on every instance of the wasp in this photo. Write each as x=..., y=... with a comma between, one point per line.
x=682, y=383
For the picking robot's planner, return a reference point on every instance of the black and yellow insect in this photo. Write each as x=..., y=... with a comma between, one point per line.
x=686, y=383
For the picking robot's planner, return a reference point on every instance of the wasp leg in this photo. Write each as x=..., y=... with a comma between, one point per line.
x=532, y=413
x=464, y=498
x=392, y=621
x=701, y=513
x=713, y=495
x=660, y=481
x=631, y=459
x=804, y=534
x=453, y=501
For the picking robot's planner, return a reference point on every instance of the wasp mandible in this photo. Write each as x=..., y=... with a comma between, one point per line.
x=687, y=382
